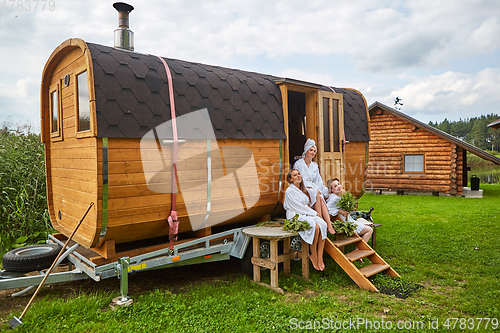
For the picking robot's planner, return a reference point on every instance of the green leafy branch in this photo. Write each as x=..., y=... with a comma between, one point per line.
x=295, y=225
x=344, y=227
x=347, y=202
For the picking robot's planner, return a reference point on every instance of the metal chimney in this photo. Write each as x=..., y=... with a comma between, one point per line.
x=124, y=37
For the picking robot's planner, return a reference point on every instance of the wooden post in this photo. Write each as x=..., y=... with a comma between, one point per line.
x=274, y=258
x=305, y=260
x=256, y=254
x=286, y=249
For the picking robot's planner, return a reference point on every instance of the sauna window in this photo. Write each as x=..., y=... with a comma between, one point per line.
x=414, y=163
x=55, y=111
x=335, y=125
x=83, y=108
x=326, y=125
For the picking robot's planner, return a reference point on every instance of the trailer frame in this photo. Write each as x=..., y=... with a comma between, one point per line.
x=201, y=250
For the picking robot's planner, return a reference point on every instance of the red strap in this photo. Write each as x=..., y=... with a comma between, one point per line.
x=172, y=219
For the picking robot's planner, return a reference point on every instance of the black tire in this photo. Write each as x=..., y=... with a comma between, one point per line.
x=30, y=258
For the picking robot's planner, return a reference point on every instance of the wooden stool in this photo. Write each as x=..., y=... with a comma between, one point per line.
x=275, y=234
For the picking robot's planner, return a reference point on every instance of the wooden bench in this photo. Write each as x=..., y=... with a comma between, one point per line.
x=274, y=235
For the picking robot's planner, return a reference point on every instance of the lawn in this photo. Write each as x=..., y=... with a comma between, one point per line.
x=448, y=245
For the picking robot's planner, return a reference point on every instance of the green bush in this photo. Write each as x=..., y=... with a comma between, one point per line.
x=24, y=217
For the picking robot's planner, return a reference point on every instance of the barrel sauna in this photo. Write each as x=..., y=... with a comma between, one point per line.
x=108, y=129
x=98, y=105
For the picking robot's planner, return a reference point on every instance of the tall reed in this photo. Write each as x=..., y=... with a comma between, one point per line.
x=24, y=218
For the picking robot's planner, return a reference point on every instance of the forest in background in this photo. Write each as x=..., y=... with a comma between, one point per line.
x=474, y=131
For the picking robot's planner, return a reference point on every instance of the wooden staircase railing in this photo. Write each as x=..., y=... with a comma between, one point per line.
x=359, y=275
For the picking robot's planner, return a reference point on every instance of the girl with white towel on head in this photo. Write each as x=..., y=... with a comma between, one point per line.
x=297, y=202
x=313, y=182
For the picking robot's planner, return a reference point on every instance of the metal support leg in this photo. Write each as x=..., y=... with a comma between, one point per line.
x=123, y=268
x=124, y=263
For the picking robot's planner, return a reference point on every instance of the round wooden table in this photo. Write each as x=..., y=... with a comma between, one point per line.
x=274, y=235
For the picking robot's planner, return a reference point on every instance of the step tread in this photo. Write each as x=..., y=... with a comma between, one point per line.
x=373, y=269
x=346, y=241
x=356, y=255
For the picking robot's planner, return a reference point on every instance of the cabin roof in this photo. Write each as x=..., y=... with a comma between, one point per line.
x=495, y=124
x=132, y=97
x=467, y=146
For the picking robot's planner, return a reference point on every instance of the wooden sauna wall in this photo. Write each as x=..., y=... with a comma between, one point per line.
x=391, y=138
x=355, y=161
x=135, y=212
x=71, y=163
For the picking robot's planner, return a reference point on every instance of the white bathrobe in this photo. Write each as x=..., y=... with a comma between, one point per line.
x=333, y=209
x=312, y=179
x=296, y=202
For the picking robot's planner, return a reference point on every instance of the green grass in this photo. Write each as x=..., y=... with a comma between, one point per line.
x=447, y=244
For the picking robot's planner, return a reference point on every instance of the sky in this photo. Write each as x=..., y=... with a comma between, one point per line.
x=441, y=58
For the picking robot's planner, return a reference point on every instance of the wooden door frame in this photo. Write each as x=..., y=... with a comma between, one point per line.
x=311, y=94
x=320, y=142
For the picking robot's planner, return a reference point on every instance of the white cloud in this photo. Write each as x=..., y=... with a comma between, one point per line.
x=394, y=46
x=460, y=94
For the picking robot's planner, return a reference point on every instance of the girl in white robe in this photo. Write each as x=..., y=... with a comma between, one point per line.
x=309, y=171
x=333, y=209
x=297, y=202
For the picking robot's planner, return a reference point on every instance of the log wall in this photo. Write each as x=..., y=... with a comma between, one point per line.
x=392, y=138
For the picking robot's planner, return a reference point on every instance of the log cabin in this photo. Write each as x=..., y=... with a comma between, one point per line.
x=495, y=124
x=126, y=130
x=406, y=154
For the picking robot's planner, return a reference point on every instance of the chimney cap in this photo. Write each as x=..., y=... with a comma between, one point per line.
x=123, y=7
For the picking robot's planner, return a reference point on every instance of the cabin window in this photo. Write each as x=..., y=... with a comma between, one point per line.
x=55, y=111
x=83, y=108
x=414, y=163
x=335, y=125
x=326, y=125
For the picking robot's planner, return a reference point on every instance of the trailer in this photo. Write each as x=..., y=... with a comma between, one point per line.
x=216, y=247
x=178, y=156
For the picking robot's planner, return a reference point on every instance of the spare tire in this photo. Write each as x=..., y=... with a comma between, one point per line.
x=30, y=258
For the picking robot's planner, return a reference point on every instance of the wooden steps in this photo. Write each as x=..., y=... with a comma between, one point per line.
x=359, y=275
x=373, y=269
x=356, y=255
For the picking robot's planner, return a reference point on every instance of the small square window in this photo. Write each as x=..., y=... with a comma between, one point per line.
x=414, y=163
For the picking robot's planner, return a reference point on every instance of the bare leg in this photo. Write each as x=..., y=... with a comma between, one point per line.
x=322, y=210
x=314, y=250
x=321, y=246
x=366, y=233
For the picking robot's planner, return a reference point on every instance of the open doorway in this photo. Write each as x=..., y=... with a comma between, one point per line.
x=296, y=125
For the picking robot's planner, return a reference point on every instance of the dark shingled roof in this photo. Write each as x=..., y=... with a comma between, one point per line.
x=132, y=97
x=355, y=114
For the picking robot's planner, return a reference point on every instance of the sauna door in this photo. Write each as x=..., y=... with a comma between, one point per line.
x=331, y=135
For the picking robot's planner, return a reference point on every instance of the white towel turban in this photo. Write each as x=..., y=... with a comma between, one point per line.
x=309, y=143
